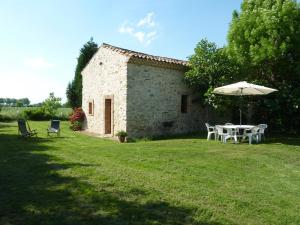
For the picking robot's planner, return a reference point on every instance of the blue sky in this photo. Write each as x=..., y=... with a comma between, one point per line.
x=40, y=40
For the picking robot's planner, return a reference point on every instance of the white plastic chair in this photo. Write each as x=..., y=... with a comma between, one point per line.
x=252, y=134
x=261, y=132
x=211, y=130
x=220, y=133
x=231, y=134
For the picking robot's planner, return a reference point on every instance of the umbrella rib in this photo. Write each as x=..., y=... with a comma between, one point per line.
x=260, y=91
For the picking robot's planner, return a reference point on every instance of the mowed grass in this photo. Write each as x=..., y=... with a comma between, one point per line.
x=77, y=179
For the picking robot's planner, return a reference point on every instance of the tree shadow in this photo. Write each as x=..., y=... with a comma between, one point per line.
x=32, y=191
x=198, y=135
x=282, y=139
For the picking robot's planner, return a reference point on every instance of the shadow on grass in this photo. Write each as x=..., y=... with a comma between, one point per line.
x=270, y=138
x=32, y=191
x=286, y=140
x=198, y=135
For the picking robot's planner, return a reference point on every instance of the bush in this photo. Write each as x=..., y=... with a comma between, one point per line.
x=77, y=119
x=76, y=125
x=61, y=116
x=9, y=114
x=7, y=118
x=37, y=114
x=47, y=111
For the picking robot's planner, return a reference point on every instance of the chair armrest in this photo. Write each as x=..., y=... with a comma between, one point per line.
x=247, y=131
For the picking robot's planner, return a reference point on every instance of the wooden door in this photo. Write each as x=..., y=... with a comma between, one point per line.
x=107, y=116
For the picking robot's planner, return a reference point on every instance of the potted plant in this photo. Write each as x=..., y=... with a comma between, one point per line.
x=121, y=135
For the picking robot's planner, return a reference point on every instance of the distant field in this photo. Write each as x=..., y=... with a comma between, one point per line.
x=15, y=111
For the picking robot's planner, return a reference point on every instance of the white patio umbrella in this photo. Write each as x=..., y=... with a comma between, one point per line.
x=243, y=88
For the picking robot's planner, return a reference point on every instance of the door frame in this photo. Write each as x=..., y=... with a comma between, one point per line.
x=111, y=97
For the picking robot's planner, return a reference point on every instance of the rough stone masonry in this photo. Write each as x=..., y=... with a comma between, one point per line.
x=141, y=94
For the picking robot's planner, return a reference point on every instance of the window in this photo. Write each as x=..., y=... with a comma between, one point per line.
x=184, y=103
x=91, y=108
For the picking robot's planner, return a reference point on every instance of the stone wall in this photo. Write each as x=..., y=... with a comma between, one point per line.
x=105, y=76
x=146, y=99
x=154, y=102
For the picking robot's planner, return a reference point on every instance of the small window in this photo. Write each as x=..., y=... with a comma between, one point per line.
x=184, y=103
x=91, y=108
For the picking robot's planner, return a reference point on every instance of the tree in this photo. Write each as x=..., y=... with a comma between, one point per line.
x=19, y=103
x=13, y=101
x=265, y=39
x=51, y=104
x=210, y=67
x=25, y=102
x=74, y=89
x=8, y=101
x=22, y=102
x=71, y=95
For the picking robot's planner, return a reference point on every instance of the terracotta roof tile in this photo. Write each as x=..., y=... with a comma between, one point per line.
x=139, y=55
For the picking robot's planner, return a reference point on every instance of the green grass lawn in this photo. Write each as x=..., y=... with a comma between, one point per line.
x=77, y=179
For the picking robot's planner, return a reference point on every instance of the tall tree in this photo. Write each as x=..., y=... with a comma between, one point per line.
x=210, y=67
x=74, y=89
x=71, y=95
x=264, y=37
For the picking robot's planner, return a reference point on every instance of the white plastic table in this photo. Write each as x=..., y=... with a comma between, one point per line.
x=237, y=127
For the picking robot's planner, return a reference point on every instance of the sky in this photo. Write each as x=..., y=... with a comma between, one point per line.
x=40, y=39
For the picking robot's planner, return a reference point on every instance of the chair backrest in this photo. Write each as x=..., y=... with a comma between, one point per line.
x=210, y=128
x=207, y=125
x=255, y=130
x=265, y=126
x=228, y=123
x=262, y=128
x=22, y=127
x=55, y=124
x=231, y=131
x=219, y=129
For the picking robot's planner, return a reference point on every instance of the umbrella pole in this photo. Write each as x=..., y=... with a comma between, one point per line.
x=241, y=106
x=240, y=116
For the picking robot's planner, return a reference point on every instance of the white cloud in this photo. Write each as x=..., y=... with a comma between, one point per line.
x=37, y=63
x=144, y=31
x=140, y=36
x=151, y=36
x=147, y=20
x=126, y=29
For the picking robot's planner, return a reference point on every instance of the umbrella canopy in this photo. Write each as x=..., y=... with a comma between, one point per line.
x=243, y=88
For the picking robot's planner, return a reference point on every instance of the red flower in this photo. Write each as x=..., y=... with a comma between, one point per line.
x=77, y=118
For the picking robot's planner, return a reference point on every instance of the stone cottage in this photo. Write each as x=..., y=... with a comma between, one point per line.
x=142, y=94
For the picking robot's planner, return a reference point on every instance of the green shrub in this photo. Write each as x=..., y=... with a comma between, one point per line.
x=76, y=125
x=37, y=114
x=32, y=113
x=7, y=118
x=121, y=133
x=62, y=116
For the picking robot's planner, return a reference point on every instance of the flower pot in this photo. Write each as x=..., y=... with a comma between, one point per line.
x=122, y=139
